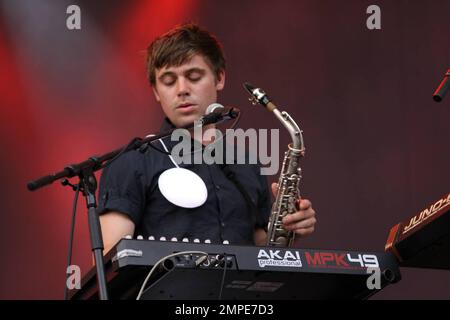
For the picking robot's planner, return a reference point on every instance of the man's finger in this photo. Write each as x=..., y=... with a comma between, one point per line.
x=274, y=189
x=304, y=224
x=303, y=204
x=298, y=216
x=304, y=232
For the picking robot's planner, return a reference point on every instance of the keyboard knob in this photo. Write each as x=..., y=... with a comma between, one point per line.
x=140, y=237
x=162, y=239
x=185, y=240
x=226, y=242
x=174, y=239
x=129, y=236
x=151, y=238
x=207, y=241
x=196, y=241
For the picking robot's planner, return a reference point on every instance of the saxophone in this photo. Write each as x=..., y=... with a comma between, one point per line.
x=290, y=176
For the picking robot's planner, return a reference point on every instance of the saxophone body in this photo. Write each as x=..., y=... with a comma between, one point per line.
x=288, y=183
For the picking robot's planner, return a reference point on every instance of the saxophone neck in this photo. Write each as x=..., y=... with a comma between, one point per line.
x=295, y=132
x=259, y=96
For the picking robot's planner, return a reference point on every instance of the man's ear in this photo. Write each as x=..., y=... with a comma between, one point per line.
x=156, y=94
x=220, y=81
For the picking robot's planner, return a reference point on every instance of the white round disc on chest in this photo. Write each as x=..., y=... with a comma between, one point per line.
x=183, y=188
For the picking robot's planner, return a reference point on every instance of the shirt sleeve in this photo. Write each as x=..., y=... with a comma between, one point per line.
x=122, y=188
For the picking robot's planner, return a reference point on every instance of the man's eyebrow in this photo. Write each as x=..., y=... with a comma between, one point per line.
x=195, y=69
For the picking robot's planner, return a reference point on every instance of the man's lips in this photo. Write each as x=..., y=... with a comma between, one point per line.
x=186, y=108
x=186, y=105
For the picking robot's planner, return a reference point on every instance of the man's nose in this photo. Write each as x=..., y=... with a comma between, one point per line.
x=183, y=87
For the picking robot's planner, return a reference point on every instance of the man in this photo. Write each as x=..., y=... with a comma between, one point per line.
x=186, y=69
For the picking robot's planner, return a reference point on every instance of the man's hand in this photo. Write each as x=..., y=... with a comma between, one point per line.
x=301, y=222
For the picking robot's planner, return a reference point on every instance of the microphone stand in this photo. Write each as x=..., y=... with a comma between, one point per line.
x=443, y=87
x=88, y=183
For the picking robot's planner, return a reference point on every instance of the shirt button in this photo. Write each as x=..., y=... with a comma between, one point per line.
x=217, y=187
x=222, y=224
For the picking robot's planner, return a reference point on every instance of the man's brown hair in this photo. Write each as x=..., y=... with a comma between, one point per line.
x=179, y=45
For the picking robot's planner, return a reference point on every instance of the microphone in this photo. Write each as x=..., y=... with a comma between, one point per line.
x=217, y=112
x=440, y=92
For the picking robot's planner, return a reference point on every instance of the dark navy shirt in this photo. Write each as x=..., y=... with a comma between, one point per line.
x=130, y=185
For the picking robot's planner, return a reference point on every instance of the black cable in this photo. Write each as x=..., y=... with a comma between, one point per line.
x=124, y=149
x=72, y=230
x=223, y=276
x=130, y=146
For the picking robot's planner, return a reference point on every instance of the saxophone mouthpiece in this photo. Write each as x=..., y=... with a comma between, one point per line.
x=249, y=87
x=258, y=95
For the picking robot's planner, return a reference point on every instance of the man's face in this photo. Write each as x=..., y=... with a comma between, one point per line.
x=187, y=90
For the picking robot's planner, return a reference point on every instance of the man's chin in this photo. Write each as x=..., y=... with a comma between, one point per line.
x=186, y=121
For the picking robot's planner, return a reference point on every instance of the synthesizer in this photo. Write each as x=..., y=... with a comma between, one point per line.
x=423, y=240
x=224, y=271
